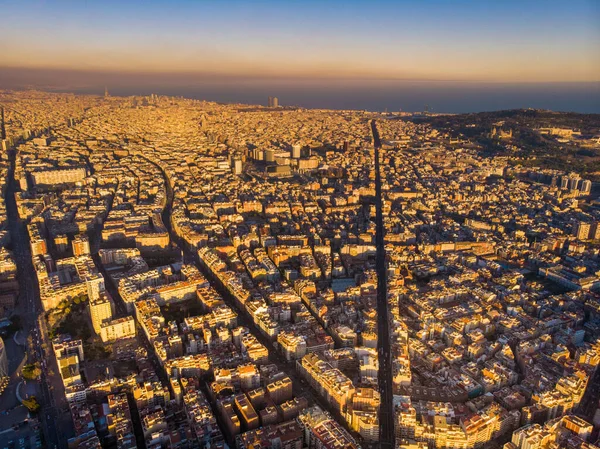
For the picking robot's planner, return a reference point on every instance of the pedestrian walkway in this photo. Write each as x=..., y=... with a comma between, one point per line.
x=19, y=338
x=17, y=392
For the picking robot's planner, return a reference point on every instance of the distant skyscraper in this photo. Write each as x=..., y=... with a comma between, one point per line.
x=3, y=360
x=2, y=125
x=582, y=230
x=296, y=151
x=270, y=102
x=237, y=166
x=586, y=186
x=573, y=183
x=106, y=92
x=270, y=155
x=275, y=102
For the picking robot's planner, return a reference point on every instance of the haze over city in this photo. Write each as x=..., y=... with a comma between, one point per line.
x=383, y=55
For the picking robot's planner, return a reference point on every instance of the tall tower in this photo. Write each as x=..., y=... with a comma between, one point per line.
x=270, y=102
x=275, y=102
x=3, y=360
x=106, y=95
x=2, y=125
x=586, y=186
x=100, y=311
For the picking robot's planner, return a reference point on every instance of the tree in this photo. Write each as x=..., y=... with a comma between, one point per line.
x=96, y=351
x=31, y=404
x=32, y=371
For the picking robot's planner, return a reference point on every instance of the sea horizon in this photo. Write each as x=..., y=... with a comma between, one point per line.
x=377, y=95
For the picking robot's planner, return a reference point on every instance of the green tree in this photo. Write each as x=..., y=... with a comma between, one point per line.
x=32, y=371
x=32, y=404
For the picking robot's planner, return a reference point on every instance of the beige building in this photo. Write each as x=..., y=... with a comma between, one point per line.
x=60, y=176
x=100, y=311
x=81, y=245
x=121, y=328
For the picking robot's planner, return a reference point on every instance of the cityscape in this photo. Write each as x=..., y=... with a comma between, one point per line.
x=190, y=274
x=215, y=233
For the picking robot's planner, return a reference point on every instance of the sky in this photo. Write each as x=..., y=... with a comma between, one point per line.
x=288, y=43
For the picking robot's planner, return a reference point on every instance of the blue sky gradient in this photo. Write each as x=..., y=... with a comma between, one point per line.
x=456, y=40
x=456, y=56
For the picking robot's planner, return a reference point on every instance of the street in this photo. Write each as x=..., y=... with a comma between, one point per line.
x=386, y=408
x=55, y=426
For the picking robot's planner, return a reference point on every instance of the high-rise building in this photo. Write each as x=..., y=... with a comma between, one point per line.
x=595, y=231
x=95, y=286
x=280, y=390
x=2, y=125
x=3, y=360
x=237, y=166
x=36, y=240
x=580, y=427
x=270, y=155
x=100, y=311
x=586, y=186
x=582, y=230
x=275, y=102
x=296, y=151
x=81, y=245
x=38, y=247
x=248, y=416
x=61, y=242
x=573, y=183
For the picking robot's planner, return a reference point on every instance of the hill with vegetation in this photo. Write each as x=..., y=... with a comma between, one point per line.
x=528, y=145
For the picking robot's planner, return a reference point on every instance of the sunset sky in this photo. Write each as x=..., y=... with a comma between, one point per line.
x=499, y=41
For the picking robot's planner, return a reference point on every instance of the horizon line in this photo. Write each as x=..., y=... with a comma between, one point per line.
x=284, y=77
x=433, y=113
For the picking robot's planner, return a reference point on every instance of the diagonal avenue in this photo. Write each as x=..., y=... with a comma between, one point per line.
x=386, y=408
